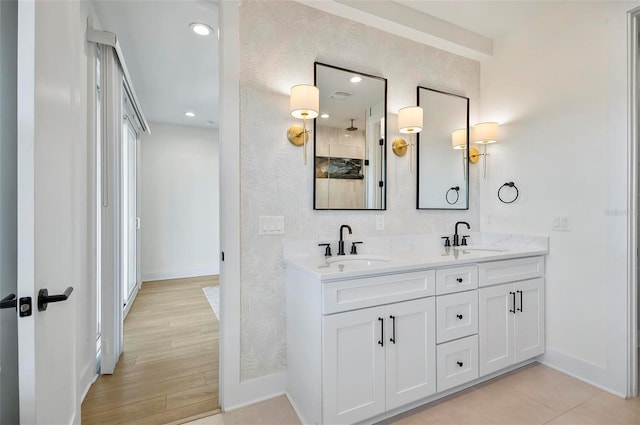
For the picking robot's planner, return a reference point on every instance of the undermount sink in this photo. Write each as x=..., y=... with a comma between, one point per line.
x=361, y=260
x=481, y=248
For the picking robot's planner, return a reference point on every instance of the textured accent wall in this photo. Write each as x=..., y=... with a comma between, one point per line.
x=279, y=42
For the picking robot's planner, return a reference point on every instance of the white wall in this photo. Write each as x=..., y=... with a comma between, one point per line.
x=558, y=87
x=274, y=180
x=180, y=202
x=8, y=200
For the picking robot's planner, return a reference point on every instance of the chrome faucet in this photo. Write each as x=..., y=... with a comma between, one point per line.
x=341, y=241
x=456, y=238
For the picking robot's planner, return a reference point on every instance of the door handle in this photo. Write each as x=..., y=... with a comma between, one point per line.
x=381, y=341
x=520, y=309
x=514, y=303
x=393, y=329
x=9, y=301
x=44, y=298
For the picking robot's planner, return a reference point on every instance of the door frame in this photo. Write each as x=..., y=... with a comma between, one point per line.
x=633, y=26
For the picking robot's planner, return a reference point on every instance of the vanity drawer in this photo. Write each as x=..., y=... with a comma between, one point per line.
x=456, y=279
x=371, y=291
x=457, y=362
x=457, y=315
x=497, y=272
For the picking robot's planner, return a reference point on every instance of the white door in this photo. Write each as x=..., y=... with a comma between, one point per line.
x=411, y=349
x=8, y=280
x=49, y=231
x=495, y=327
x=353, y=365
x=129, y=213
x=529, y=319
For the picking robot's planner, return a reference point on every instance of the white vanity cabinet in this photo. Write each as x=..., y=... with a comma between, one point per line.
x=359, y=347
x=365, y=344
x=511, y=315
x=377, y=359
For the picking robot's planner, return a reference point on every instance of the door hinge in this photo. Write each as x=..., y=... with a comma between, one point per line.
x=24, y=306
x=381, y=183
x=366, y=162
x=381, y=142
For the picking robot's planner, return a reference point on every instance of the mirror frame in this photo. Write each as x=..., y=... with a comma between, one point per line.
x=384, y=145
x=466, y=163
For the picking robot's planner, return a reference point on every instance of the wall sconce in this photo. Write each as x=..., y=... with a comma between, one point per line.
x=485, y=133
x=304, y=104
x=410, y=121
x=459, y=142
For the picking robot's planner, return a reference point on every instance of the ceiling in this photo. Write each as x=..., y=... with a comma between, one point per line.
x=175, y=71
x=172, y=69
x=492, y=19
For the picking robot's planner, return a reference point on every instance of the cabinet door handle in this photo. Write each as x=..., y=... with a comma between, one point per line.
x=459, y=280
x=520, y=309
x=513, y=310
x=459, y=316
x=381, y=340
x=460, y=364
x=393, y=329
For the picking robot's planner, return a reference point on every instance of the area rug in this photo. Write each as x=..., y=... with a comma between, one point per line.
x=213, y=296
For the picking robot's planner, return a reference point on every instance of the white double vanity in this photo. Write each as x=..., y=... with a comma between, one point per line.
x=407, y=321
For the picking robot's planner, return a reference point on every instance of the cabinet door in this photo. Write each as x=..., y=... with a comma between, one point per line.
x=353, y=361
x=529, y=319
x=495, y=330
x=411, y=349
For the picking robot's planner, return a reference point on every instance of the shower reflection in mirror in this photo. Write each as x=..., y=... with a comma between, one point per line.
x=443, y=151
x=350, y=134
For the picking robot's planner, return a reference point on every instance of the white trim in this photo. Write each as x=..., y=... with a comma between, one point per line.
x=632, y=205
x=259, y=389
x=179, y=274
x=579, y=369
x=229, y=89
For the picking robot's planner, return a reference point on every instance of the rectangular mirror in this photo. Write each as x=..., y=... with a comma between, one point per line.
x=443, y=168
x=349, y=140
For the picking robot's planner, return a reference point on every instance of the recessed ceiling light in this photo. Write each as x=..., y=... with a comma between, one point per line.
x=324, y=116
x=201, y=29
x=355, y=79
x=190, y=114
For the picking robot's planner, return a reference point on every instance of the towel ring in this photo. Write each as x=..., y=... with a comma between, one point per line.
x=456, y=189
x=508, y=184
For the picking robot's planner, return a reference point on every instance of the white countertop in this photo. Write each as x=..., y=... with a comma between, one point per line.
x=409, y=253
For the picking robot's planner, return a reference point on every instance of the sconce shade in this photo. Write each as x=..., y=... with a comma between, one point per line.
x=410, y=119
x=485, y=133
x=305, y=101
x=459, y=139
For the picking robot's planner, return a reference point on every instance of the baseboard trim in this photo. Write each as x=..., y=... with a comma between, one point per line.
x=579, y=369
x=89, y=376
x=255, y=390
x=177, y=274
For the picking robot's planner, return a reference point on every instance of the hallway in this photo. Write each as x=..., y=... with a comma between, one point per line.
x=169, y=368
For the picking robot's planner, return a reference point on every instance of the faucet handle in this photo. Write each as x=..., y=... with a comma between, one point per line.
x=464, y=240
x=327, y=251
x=447, y=242
x=354, y=250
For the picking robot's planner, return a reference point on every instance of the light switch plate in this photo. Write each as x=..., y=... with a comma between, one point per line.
x=271, y=225
x=379, y=222
x=561, y=223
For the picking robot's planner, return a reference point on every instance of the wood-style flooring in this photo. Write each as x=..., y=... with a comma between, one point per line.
x=168, y=372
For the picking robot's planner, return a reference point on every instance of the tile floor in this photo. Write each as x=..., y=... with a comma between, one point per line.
x=534, y=394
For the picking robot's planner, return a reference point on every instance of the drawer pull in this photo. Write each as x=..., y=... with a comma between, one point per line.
x=459, y=316
x=460, y=364
x=381, y=340
x=393, y=329
x=459, y=280
x=514, y=303
x=520, y=309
